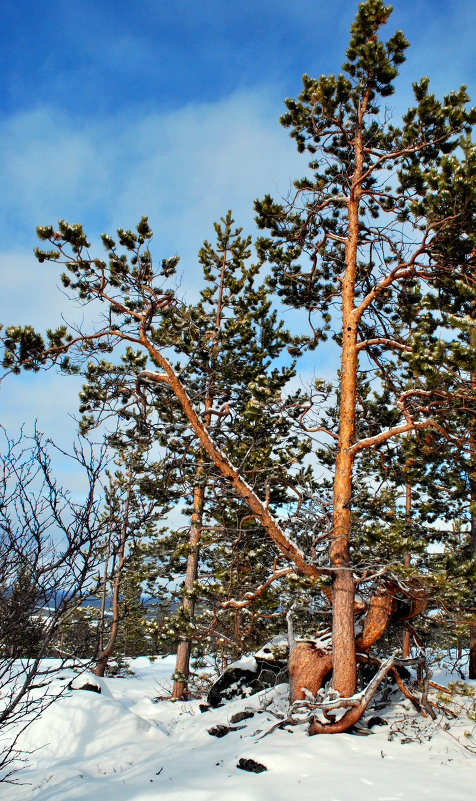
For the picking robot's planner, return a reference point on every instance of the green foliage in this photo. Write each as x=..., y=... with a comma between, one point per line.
x=21, y=632
x=460, y=698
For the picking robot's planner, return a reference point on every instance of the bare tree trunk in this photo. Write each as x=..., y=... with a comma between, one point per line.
x=104, y=653
x=309, y=664
x=344, y=662
x=182, y=665
x=102, y=612
x=343, y=638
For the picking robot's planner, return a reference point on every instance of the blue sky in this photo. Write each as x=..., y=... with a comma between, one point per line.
x=91, y=57
x=113, y=109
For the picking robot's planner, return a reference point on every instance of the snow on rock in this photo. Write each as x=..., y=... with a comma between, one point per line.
x=88, y=681
x=245, y=677
x=276, y=648
x=244, y=663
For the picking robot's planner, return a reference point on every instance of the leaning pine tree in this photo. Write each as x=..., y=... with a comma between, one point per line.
x=226, y=344
x=349, y=237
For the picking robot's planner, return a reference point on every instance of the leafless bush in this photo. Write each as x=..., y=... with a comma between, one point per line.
x=48, y=555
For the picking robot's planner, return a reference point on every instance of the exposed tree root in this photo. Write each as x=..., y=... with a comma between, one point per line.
x=308, y=672
x=308, y=666
x=376, y=619
x=356, y=706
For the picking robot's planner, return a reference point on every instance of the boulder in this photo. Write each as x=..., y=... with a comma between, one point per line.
x=247, y=676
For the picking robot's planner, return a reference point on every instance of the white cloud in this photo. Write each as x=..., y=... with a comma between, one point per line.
x=197, y=161
x=183, y=168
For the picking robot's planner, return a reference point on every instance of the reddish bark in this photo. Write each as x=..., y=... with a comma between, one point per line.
x=357, y=707
x=345, y=666
x=375, y=621
x=407, y=561
x=308, y=665
x=418, y=605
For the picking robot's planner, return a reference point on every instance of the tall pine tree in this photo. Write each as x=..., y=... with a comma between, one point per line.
x=364, y=226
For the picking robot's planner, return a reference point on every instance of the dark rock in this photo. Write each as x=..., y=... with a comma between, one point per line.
x=402, y=609
x=238, y=682
x=277, y=649
x=204, y=707
x=93, y=688
x=239, y=716
x=376, y=721
x=251, y=766
x=367, y=673
x=220, y=730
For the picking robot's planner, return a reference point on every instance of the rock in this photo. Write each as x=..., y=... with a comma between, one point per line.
x=93, y=688
x=367, y=673
x=220, y=730
x=90, y=686
x=376, y=721
x=359, y=730
x=88, y=681
x=251, y=765
x=245, y=677
x=239, y=716
x=276, y=649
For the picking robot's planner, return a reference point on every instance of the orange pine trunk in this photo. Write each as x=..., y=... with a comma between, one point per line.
x=343, y=590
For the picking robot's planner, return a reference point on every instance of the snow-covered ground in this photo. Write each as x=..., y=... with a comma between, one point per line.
x=122, y=745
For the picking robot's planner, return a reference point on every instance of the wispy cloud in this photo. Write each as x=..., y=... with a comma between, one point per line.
x=184, y=169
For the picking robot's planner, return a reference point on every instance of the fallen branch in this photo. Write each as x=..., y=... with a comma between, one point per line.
x=372, y=660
